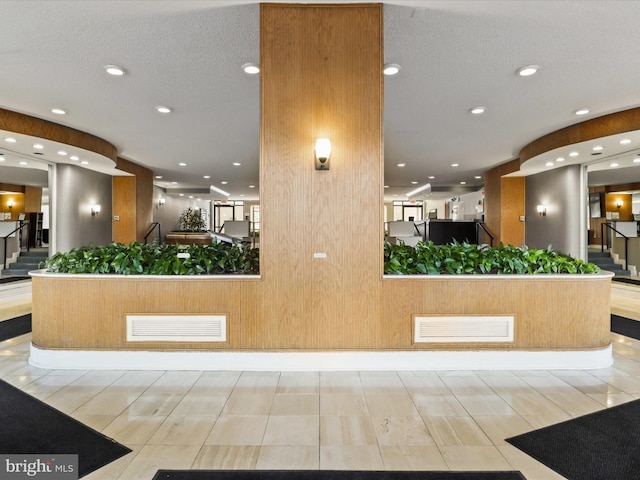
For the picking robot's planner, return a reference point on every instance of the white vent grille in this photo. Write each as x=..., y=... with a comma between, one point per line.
x=176, y=328
x=473, y=328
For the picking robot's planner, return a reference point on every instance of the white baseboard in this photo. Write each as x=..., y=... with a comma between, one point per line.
x=322, y=361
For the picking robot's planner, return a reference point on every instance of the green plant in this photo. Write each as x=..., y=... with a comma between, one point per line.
x=154, y=259
x=191, y=220
x=465, y=258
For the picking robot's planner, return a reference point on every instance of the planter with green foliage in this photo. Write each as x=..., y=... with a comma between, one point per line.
x=426, y=258
x=153, y=259
x=191, y=221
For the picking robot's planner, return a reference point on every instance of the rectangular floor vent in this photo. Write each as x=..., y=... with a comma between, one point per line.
x=176, y=328
x=458, y=328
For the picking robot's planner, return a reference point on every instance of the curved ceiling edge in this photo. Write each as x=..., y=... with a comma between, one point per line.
x=606, y=125
x=37, y=127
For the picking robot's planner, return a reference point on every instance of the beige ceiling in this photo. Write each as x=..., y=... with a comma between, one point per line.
x=455, y=55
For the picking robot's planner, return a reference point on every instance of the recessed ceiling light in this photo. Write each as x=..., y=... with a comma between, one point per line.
x=62, y=153
x=549, y=164
x=241, y=195
x=614, y=165
x=182, y=164
x=560, y=159
x=224, y=183
x=219, y=190
x=10, y=140
x=251, y=68
x=477, y=110
x=582, y=111
x=23, y=163
x=236, y=164
x=414, y=183
x=598, y=148
x=478, y=177
x=528, y=70
x=636, y=160
x=164, y=109
x=401, y=165
x=190, y=196
x=84, y=162
x=181, y=194
x=115, y=70
x=158, y=177
x=74, y=157
x=463, y=183
x=38, y=146
x=58, y=111
x=625, y=141
x=174, y=183
x=431, y=177
x=391, y=69
x=252, y=186
x=455, y=164
x=573, y=154
x=2, y=159
x=206, y=176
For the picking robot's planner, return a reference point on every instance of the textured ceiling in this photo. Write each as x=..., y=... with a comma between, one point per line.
x=455, y=55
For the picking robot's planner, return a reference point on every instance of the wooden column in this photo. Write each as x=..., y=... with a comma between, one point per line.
x=321, y=237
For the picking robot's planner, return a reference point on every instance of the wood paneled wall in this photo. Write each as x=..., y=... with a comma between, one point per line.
x=124, y=207
x=321, y=68
x=625, y=211
x=504, y=203
x=32, y=199
x=143, y=193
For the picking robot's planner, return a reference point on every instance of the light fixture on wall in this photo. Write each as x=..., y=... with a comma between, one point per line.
x=160, y=202
x=10, y=204
x=619, y=204
x=542, y=210
x=95, y=210
x=323, y=151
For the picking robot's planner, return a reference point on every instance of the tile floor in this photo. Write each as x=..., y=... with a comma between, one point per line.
x=419, y=420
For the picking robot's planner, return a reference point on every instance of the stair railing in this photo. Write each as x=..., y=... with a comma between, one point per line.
x=626, y=241
x=6, y=237
x=483, y=227
x=154, y=225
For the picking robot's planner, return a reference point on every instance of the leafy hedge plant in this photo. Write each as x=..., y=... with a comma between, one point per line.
x=465, y=258
x=154, y=259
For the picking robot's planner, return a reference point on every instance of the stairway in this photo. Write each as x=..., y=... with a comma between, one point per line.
x=26, y=262
x=605, y=262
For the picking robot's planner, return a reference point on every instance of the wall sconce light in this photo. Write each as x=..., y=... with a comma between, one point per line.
x=619, y=203
x=95, y=210
x=323, y=151
x=10, y=204
x=542, y=210
x=160, y=203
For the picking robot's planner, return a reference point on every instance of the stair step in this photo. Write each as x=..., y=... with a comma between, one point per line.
x=24, y=265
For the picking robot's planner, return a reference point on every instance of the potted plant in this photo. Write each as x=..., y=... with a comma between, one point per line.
x=191, y=221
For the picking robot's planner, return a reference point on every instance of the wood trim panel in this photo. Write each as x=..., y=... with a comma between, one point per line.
x=124, y=206
x=512, y=206
x=552, y=313
x=612, y=124
x=143, y=195
x=493, y=196
x=32, y=199
x=36, y=127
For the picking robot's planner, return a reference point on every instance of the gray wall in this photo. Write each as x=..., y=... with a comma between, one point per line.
x=559, y=191
x=77, y=189
x=167, y=215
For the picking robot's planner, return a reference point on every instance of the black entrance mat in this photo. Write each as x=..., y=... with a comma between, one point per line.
x=15, y=326
x=632, y=281
x=13, y=279
x=29, y=426
x=329, y=475
x=601, y=445
x=625, y=326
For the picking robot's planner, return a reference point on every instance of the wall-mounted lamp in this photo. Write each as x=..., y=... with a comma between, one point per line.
x=10, y=204
x=323, y=151
x=619, y=203
x=160, y=202
x=95, y=210
x=542, y=210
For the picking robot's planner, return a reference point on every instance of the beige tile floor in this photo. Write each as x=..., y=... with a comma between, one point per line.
x=418, y=420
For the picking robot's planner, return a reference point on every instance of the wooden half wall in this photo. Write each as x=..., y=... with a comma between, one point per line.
x=321, y=241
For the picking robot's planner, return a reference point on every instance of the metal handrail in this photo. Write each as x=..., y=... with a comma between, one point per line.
x=626, y=241
x=154, y=225
x=483, y=226
x=22, y=225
